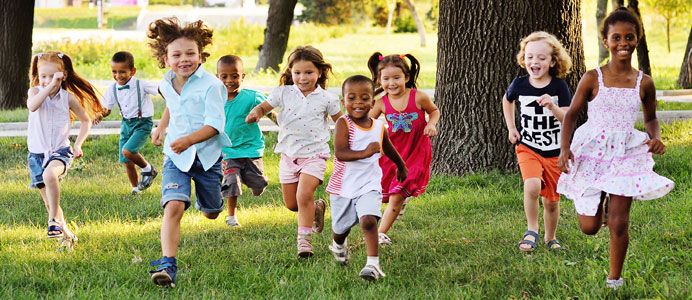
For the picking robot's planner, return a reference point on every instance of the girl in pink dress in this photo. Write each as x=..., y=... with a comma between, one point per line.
x=607, y=155
x=405, y=109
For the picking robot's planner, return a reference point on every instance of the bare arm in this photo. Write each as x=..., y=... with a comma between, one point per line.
x=84, y=124
x=256, y=113
x=392, y=154
x=656, y=146
x=433, y=112
x=508, y=111
x=336, y=116
x=341, y=149
x=377, y=109
x=37, y=97
x=583, y=94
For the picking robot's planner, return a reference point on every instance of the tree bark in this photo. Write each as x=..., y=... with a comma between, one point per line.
x=419, y=25
x=276, y=34
x=642, y=47
x=17, y=21
x=475, y=65
x=601, y=7
x=685, y=78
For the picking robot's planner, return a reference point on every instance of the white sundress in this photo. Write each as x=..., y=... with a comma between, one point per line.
x=609, y=154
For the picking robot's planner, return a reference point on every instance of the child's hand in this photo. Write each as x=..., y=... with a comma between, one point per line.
x=656, y=146
x=372, y=148
x=252, y=117
x=181, y=144
x=157, y=136
x=564, y=160
x=401, y=174
x=77, y=151
x=430, y=130
x=546, y=101
x=97, y=119
x=54, y=84
x=514, y=136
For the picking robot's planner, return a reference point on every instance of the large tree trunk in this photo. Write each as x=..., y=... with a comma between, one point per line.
x=601, y=7
x=276, y=34
x=475, y=65
x=419, y=24
x=685, y=78
x=17, y=21
x=642, y=47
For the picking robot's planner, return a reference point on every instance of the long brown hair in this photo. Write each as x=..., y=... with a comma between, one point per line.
x=377, y=62
x=73, y=83
x=311, y=54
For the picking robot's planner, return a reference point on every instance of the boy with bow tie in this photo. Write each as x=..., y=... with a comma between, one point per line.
x=136, y=109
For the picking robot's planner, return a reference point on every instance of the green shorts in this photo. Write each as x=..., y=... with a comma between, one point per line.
x=134, y=133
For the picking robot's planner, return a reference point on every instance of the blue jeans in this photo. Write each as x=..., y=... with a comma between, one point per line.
x=38, y=163
x=176, y=185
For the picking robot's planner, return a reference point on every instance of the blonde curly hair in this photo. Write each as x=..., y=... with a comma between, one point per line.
x=563, y=62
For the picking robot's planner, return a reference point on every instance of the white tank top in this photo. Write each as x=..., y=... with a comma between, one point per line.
x=351, y=179
x=49, y=125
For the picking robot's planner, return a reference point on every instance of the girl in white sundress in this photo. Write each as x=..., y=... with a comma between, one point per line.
x=607, y=155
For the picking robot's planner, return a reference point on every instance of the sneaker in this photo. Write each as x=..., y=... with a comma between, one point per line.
x=232, y=222
x=147, y=178
x=305, y=247
x=165, y=274
x=371, y=273
x=383, y=239
x=320, y=207
x=614, y=283
x=403, y=208
x=340, y=254
x=135, y=191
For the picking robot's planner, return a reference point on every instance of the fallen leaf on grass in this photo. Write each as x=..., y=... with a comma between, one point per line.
x=136, y=260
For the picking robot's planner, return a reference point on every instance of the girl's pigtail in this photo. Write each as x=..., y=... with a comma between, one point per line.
x=413, y=72
x=33, y=71
x=373, y=64
x=82, y=89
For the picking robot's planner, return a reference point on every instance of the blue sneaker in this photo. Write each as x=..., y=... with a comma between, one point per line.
x=165, y=273
x=147, y=178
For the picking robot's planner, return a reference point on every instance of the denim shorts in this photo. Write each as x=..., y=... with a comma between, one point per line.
x=176, y=185
x=38, y=163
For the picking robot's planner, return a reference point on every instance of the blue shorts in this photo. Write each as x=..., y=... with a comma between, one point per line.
x=38, y=163
x=346, y=212
x=134, y=133
x=176, y=185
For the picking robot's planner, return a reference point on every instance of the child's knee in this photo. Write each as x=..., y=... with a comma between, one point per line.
x=551, y=206
x=292, y=207
x=590, y=229
x=532, y=186
x=211, y=216
x=256, y=192
x=368, y=223
x=126, y=153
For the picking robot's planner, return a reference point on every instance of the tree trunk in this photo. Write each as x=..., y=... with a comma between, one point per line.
x=475, y=65
x=668, y=33
x=390, y=14
x=685, y=78
x=419, y=24
x=17, y=21
x=642, y=47
x=279, y=22
x=601, y=7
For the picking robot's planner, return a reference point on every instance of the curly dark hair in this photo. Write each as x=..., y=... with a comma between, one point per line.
x=621, y=14
x=164, y=31
x=311, y=54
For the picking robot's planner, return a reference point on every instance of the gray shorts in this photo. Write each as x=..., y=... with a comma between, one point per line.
x=239, y=171
x=346, y=212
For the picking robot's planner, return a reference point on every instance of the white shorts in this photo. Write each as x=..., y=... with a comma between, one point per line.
x=347, y=212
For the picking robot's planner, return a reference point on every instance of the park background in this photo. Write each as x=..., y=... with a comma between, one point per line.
x=456, y=241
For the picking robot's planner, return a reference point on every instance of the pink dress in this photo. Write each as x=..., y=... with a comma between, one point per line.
x=405, y=130
x=609, y=154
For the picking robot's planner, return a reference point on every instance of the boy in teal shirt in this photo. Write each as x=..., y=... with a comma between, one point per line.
x=242, y=162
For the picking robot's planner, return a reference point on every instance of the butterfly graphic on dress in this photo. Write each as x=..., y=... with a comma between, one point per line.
x=402, y=121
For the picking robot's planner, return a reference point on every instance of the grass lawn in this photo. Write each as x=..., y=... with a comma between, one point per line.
x=458, y=240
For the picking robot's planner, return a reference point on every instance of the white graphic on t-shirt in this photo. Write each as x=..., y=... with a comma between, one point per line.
x=539, y=128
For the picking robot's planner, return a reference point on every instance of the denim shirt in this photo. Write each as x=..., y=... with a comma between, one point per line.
x=200, y=103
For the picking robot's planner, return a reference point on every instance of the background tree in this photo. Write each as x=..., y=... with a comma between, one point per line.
x=685, y=78
x=670, y=10
x=279, y=21
x=419, y=23
x=601, y=9
x=16, y=19
x=642, y=48
x=475, y=65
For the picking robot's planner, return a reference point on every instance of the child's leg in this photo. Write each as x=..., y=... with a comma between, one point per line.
x=551, y=216
x=232, y=203
x=135, y=158
x=391, y=212
x=532, y=189
x=170, y=227
x=368, y=224
x=591, y=224
x=618, y=222
x=51, y=175
x=131, y=173
x=340, y=238
x=289, y=190
x=305, y=198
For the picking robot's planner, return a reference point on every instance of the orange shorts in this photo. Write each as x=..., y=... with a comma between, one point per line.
x=532, y=165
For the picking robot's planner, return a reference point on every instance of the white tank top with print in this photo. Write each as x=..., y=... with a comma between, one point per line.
x=49, y=125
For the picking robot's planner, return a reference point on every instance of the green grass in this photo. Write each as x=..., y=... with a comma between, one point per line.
x=124, y=17
x=457, y=241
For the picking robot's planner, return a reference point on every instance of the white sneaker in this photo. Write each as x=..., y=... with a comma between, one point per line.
x=232, y=222
x=383, y=239
x=340, y=254
x=614, y=283
x=371, y=273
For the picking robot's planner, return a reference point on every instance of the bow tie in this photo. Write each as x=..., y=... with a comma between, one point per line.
x=123, y=87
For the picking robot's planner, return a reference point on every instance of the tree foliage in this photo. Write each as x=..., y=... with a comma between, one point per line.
x=671, y=11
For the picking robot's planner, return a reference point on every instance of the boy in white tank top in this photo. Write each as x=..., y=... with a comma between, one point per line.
x=355, y=185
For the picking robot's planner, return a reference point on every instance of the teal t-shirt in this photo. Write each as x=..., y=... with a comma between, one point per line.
x=247, y=139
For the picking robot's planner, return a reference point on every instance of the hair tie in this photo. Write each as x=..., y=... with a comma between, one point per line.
x=402, y=56
x=60, y=55
x=39, y=54
x=380, y=57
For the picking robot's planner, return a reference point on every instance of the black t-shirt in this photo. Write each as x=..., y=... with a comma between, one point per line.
x=539, y=129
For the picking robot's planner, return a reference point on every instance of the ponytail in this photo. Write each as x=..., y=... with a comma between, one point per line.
x=377, y=62
x=373, y=64
x=413, y=72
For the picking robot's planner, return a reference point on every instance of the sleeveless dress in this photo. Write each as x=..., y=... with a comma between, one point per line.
x=49, y=126
x=609, y=155
x=405, y=130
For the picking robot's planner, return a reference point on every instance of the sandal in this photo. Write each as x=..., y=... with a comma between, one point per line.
x=67, y=242
x=524, y=241
x=55, y=226
x=166, y=272
x=550, y=244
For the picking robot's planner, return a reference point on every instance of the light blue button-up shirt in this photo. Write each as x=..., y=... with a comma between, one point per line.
x=200, y=103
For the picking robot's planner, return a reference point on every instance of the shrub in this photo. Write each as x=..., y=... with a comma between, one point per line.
x=404, y=23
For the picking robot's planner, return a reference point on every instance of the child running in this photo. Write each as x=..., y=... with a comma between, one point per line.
x=303, y=137
x=57, y=95
x=404, y=109
x=607, y=155
x=192, y=147
x=542, y=100
x=355, y=188
x=242, y=162
x=136, y=109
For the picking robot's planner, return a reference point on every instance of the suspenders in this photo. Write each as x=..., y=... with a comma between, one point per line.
x=139, y=100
